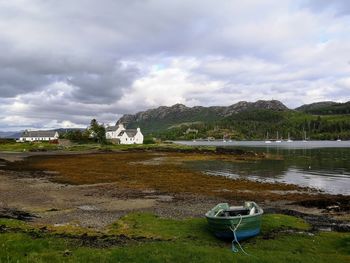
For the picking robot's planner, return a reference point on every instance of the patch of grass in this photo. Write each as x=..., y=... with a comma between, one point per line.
x=152, y=226
x=323, y=247
x=29, y=147
x=14, y=223
x=326, y=247
x=71, y=230
x=76, y=147
x=183, y=241
x=271, y=222
x=21, y=247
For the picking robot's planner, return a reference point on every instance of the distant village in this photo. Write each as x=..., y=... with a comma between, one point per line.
x=116, y=134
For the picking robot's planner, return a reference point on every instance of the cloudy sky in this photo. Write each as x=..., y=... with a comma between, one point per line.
x=65, y=62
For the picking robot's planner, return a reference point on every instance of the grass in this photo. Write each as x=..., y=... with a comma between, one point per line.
x=168, y=240
x=272, y=222
x=77, y=147
x=28, y=147
x=151, y=226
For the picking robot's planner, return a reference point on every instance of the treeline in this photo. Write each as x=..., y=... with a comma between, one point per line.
x=94, y=133
x=256, y=124
x=338, y=108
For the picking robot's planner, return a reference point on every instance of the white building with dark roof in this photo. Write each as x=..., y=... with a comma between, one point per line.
x=32, y=136
x=124, y=136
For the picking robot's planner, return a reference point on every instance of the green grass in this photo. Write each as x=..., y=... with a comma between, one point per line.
x=271, y=222
x=43, y=146
x=13, y=223
x=28, y=147
x=151, y=226
x=168, y=240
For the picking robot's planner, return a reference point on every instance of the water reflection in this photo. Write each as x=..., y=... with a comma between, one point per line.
x=327, y=169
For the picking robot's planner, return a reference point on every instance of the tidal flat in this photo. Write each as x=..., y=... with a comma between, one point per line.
x=124, y=206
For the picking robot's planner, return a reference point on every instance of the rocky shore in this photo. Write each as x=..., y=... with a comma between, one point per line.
x=95, y=189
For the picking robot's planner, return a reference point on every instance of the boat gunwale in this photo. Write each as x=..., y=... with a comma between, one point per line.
x=259, y=213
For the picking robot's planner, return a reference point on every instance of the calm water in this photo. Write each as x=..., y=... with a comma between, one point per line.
x=319, y=164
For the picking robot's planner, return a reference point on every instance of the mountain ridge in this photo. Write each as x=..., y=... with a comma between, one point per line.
x=242, y=120
x=325, y=108
x=220, y=111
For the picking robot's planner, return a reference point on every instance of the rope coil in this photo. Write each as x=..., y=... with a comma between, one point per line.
x=234, y=229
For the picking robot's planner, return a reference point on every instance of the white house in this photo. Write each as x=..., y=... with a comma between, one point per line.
x=31, y=136
x=124, y=136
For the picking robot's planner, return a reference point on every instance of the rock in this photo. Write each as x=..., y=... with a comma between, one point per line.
x=15, y=214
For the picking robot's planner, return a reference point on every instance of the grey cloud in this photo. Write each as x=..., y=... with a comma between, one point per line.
x=95, y=79
x=105, y=87
x=340, y=7
x=97, y=51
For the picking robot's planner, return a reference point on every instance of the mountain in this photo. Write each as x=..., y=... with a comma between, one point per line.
x=325, y=108
x=164, y=117
x=243, y=120
x=9, y=135
x=17, y=134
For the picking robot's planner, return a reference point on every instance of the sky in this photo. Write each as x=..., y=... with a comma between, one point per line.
x=63, y=63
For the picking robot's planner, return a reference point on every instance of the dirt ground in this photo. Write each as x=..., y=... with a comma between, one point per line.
x=94, y=190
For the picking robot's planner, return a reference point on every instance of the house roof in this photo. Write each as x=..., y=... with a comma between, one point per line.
x=111, y=128
x=129, y=132
x=39, y=134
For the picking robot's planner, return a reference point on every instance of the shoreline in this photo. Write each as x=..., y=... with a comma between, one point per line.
x=86, y=198
x=106, y=206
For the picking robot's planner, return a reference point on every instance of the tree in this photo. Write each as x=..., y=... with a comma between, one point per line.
x=97, y=131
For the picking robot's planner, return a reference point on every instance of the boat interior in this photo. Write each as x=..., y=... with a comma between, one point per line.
x=236, y=211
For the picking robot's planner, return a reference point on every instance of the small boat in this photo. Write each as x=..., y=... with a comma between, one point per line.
x=277, y=139
x=305, y=139
x=267, y=138
x=235, y=222
x=289, y=139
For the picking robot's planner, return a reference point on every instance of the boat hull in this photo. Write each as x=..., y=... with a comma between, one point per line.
x=248, y=225
x=240, y=234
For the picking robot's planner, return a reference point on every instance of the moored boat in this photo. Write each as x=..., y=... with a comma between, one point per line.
x=235, y=222
x=267, y=138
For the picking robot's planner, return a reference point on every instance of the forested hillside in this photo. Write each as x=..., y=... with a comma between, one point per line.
x=241, y=121
x=326, y=108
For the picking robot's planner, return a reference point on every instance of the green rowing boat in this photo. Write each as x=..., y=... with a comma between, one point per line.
x=235, y=222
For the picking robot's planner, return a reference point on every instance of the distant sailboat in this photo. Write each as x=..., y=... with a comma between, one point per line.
x=338, y=140
x=278, y=140
x=304, y=137
x=267, y=138
x=289, y=139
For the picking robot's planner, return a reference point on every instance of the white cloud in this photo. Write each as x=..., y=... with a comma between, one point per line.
x=62, y=65
x=170, y=85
